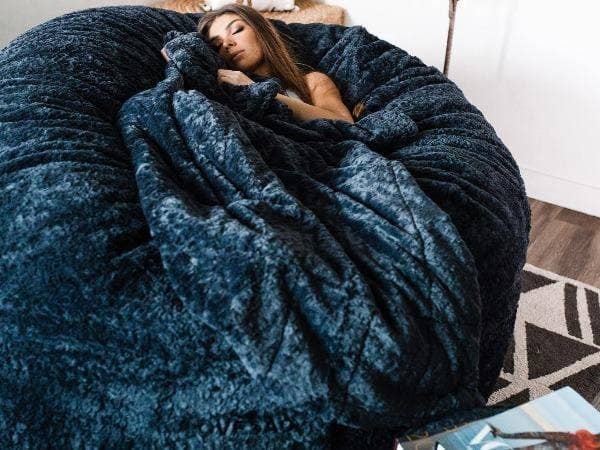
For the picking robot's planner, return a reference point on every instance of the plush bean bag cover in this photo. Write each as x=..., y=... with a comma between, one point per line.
x=184, y=265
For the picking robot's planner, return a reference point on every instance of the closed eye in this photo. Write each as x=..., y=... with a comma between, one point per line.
x=220, y=44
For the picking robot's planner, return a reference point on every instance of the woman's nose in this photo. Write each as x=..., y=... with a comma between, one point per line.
x=229, y=43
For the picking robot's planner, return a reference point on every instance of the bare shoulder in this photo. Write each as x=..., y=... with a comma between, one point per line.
x=318, y=81
x=325, y=94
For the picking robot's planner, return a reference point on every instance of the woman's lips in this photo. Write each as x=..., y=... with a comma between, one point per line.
x=237, y=55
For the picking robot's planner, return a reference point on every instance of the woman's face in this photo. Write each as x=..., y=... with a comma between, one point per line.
x=236, y=42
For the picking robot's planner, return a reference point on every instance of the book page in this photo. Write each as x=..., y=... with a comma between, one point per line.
x=561, y=419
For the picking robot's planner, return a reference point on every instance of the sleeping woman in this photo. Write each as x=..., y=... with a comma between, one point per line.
x=252, y=47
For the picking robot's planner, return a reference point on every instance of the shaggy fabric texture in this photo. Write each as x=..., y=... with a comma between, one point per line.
x=222, y=276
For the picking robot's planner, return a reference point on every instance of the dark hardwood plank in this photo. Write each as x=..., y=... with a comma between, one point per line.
x=564, y=241
x=542, y=215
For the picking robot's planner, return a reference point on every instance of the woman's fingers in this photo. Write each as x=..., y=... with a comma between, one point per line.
x=164, y=53
x=233, y=77
x=224, y=75
x=221, y=77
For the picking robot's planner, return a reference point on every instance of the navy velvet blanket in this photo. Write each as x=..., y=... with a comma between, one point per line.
x=184, y=264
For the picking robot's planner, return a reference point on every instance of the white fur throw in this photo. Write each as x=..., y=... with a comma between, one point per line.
x=259, y=5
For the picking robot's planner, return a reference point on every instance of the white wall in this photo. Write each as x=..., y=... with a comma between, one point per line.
x=17, y=16
x=531, y=66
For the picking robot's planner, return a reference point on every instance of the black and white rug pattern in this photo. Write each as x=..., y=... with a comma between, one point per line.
x=556, y=341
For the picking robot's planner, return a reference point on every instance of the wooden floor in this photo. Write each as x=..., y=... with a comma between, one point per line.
x=564, y=241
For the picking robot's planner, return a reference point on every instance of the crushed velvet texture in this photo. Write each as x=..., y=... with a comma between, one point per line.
x=192, y=267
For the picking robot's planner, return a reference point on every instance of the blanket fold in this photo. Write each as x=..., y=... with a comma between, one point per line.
x=323, y=265
x=185, y=264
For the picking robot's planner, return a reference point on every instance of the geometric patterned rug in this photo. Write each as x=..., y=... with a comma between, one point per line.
x=556, y=340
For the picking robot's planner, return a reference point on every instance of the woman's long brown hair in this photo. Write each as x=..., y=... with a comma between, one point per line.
x=284, y=65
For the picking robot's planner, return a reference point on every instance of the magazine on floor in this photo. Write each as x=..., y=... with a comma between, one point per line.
x=559, y=420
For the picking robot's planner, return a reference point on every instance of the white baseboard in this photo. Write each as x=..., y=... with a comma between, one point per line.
x=561, y=192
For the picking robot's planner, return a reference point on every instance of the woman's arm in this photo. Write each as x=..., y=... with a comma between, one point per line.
x=323, y=92
x=326, y=99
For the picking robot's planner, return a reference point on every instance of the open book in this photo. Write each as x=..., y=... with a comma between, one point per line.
x=560, y=420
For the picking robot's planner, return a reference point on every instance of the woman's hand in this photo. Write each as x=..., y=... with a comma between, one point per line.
x=163, y=52
x=233, y=77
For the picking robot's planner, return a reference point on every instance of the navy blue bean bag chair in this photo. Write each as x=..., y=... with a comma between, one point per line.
x=185, y=265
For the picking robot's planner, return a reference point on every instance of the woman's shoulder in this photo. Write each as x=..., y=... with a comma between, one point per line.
x=318, y=81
